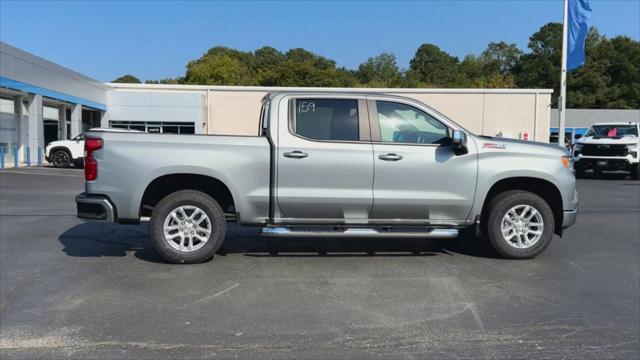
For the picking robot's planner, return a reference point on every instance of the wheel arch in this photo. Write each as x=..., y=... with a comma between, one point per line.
x=63, y=148
x=166, y=184
x=541, y=187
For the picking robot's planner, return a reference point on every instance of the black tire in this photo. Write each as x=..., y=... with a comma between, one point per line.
x=635, y=171
x=61, y=159
x=499, y=206
x=189, y=198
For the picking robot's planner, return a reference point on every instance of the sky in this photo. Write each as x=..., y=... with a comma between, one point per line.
x=156, y=39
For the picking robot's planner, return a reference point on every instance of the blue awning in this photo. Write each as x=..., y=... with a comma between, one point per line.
x=21, y=86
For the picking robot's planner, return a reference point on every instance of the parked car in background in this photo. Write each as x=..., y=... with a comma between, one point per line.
x=331, y=165
x=64, y=153
x=609, y=146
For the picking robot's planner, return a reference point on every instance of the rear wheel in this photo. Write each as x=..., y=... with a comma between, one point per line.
x=519, y=224
x=188, y=227
x=61, y=159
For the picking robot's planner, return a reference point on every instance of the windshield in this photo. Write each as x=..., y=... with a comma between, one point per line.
x=612, y=131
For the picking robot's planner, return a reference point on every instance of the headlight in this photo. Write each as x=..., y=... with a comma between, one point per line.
x=577, y=147
x=567, y=162
x=632, y=147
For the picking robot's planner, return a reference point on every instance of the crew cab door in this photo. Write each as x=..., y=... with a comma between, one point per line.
x=324, y=161
x=418, y=177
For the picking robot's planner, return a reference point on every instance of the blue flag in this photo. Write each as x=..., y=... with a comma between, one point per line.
x=579, y=13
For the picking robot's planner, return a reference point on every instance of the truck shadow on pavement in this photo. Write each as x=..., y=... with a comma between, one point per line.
x=112, y=240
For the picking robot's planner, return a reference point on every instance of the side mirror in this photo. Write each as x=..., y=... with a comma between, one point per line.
x=459, y=142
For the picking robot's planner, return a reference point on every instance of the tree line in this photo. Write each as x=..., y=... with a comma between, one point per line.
x=610, y=77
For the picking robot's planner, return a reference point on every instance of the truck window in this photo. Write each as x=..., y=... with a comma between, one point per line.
x=326, y=119
x=612, y=131
x=400, y=123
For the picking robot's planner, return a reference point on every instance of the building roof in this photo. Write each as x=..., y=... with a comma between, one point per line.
x=584, y=118
x=28, y=73
x=178, y=87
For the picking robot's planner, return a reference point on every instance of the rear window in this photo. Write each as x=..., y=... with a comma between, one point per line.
x=326, y=119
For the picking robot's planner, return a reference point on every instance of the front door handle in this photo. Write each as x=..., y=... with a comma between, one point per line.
x=390, y=157
x=296, y=154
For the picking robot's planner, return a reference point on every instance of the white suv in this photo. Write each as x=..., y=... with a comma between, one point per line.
x=608, y=146
x=63, y=153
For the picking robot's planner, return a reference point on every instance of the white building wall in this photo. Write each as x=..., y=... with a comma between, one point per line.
x=157, y=106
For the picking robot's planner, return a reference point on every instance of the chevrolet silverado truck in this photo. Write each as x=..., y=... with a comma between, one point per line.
x=609, y=146
x=331, y=165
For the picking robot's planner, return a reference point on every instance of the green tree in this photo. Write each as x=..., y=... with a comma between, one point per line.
x=500, y=57
x=434, y=66
x=481, y=72
x=300, y=55
x=265, y=63
x=380, y=71
x=127, y=79
x=541, y=67
x=610, y=77
x=221, y=66
x=624, y=70
x=219, y=70
x=177, y=80
x=304, y=68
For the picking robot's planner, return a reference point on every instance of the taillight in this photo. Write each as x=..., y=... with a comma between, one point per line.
x=90, y=163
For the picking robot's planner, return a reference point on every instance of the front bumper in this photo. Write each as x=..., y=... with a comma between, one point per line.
x=569, y=218
x=605, y=162
x=95, y=207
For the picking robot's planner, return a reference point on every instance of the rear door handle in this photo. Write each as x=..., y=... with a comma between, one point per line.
x=296, y=154
x=390, y=157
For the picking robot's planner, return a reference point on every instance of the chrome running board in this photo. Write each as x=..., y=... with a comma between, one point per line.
x=359, y=233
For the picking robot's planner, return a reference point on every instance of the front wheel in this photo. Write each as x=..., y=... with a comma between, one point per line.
x=519, y=225
x=635, y=171
x=60, y=159
x=187, y=227
x=579, y=171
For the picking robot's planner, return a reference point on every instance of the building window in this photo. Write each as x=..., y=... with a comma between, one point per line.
x=155, y=127
x=52, y=129
x=7, y=106
x=50, y=113
x=90, y=119
x=9, y=125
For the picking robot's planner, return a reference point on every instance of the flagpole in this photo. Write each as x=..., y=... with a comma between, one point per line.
x=563, y=77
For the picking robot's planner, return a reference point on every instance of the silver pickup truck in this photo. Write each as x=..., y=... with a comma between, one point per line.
x=331, y=165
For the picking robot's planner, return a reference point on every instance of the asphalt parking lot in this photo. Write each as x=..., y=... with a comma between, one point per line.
x=93, y=290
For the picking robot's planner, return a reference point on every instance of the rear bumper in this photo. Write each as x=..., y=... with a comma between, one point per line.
x=570, y=217
x=95, y=207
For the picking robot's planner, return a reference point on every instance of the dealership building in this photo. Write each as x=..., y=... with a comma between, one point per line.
x=42, y=102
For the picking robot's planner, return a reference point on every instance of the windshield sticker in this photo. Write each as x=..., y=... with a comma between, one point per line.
x=493, y=146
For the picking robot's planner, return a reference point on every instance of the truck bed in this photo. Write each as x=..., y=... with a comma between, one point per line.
x=129, y=161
